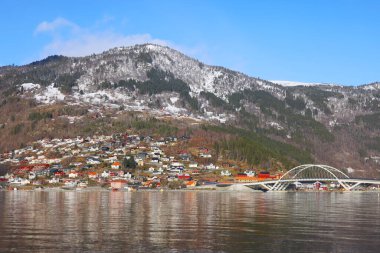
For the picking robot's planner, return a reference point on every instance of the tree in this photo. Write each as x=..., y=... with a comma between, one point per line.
x=129, y=163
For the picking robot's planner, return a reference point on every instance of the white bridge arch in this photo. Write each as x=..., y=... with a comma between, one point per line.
x=313, y=173
x=307, y=171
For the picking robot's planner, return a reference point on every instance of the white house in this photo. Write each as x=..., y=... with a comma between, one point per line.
x=225, y=173
x=73, y=174
x=105, y=174
x=212, y=167
x=18, y=181
x=32, y=175
x=127, y=175
x=93, y=161
x=205, y=155
x=250, y=173
x=54, y=180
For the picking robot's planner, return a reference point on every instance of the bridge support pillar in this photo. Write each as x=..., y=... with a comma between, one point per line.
x=345, y=186
x=355, y=185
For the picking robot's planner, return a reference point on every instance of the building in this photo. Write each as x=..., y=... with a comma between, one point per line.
x=116, y=165
x=118, y=184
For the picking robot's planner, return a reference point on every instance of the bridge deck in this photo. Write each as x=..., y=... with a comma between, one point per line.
x=348, y=180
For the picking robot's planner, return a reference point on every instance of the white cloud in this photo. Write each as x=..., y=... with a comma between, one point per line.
x=90, y=43
x=78, y=41
x=54, y=25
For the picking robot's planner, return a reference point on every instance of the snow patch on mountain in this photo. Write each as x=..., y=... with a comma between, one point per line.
x=293, y=83
x=371, y=87
x=173, y=110
x=30, y=86
x=174, y=99
x=50, y=95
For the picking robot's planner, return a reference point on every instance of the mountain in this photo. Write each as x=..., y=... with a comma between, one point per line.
x=337, y=125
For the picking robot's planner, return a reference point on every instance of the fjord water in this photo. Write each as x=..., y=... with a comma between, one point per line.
x=189, y=221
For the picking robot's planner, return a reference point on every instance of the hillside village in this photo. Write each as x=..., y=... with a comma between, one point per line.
x=119, y=161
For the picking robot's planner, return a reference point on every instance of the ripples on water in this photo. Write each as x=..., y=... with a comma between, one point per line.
x=189, y=222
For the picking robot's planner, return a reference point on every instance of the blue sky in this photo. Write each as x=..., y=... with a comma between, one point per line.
x=334, y=41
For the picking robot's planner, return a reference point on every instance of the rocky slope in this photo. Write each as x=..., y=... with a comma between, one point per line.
x=336, y=124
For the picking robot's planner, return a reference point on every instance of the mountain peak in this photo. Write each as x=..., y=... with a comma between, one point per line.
x=148, y=47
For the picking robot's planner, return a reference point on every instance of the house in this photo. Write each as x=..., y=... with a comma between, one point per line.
x=155, y=160
x=18, y=181
x=193, y=165
x=298, y=185
x=31, y=175
x=118, y=183
x=212, y=167
x=76, y=164
x=113, y=174
x=225, y=173
x=203, y=149
x=155, y=155
x=93, y=160
x=92, y=175
x=116, y=165
x=112, y=159
x=165, y=159
x=160, y=143
x=54, y=180
x=105, y=174
x=191, y=184
x=147, y=139
x=185, y=157
x=177, y=165
x=141, y=156
x=105, y=148
x=156, y=172
x=59, y=174
x=175, y=171
x=205, y=155
x=183, y=176
x=250, y=173
x=73, y=174
x=127, y=175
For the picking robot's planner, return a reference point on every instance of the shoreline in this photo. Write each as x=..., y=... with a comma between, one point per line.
x=200, y=189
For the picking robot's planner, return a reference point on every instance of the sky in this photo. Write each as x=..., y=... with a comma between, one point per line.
x=327, y=41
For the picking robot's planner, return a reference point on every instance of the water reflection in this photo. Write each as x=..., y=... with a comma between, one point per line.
x=188, y=222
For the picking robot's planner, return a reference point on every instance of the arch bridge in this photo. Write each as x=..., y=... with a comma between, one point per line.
x=312, y=173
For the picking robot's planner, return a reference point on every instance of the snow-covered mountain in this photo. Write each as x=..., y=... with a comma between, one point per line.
x=146, y=77
x=157, y=80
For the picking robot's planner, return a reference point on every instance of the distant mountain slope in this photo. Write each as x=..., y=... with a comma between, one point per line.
x=161, y=81
x=293, y=83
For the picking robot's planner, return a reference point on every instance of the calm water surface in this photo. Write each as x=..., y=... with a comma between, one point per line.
x=189, y=222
